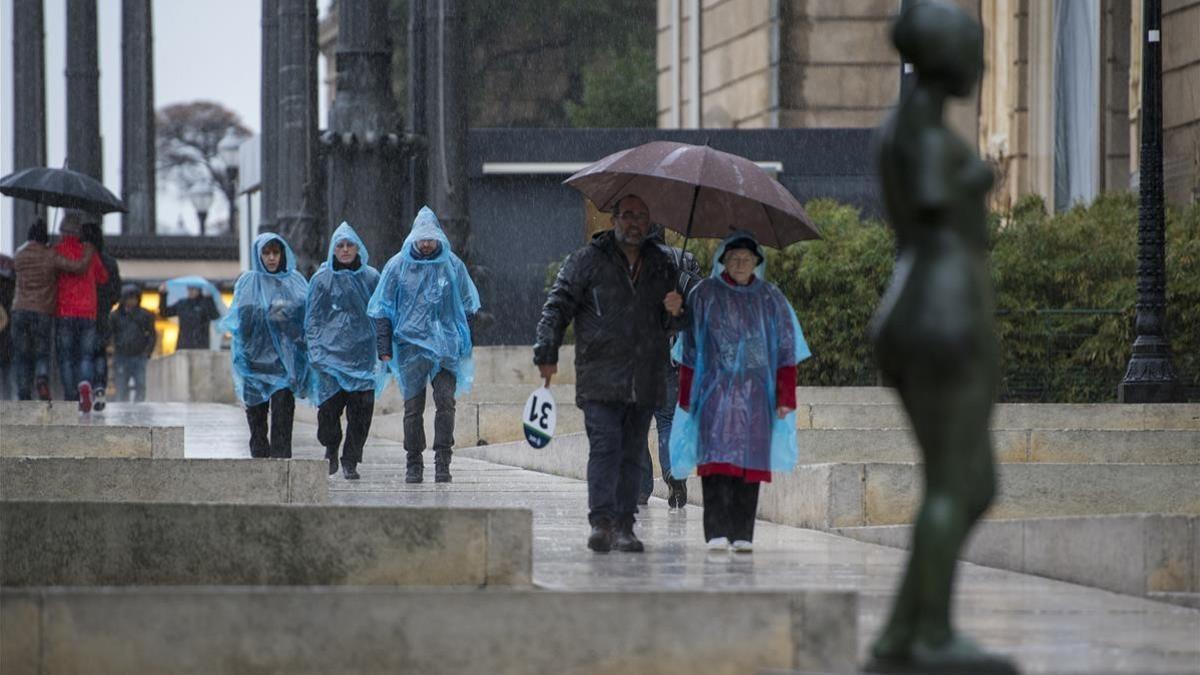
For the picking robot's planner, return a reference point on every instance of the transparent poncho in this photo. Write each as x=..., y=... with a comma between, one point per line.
x=427, y=300
x=339, y=334
x=267, y=324
x=738, y=338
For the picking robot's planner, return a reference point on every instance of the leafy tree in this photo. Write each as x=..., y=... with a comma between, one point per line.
x=188, y=136
x=618, y=91
x=834, y=284
x=527, y=56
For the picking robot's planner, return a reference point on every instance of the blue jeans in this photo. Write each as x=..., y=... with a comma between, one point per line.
x=76, y=341
x=31, y=335
x=616, y=445
x=663, y=418
x=127, y=368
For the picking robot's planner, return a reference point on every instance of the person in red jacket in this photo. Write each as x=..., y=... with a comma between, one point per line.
x=75, y=319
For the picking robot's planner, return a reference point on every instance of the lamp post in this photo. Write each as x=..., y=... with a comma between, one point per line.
x=201, y=197
x=1150, y=377
x=228, y=151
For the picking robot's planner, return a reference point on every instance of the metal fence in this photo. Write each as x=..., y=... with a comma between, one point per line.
x=1059, y=354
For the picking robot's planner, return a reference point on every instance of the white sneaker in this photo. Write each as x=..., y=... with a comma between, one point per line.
x=742, y=546
x=718, y=544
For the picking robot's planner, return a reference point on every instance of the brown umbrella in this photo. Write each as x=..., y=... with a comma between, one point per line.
x=698, y=192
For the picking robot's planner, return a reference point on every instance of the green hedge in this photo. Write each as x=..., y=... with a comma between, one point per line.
x=1065, y=294
x=1066, y=290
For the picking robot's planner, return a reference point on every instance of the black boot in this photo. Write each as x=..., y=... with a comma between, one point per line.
x=601, y=538
x=331, y=454
x=441, y=466
x=349, y=471
x=414, y=468
x=678, y=496
x=625, y=540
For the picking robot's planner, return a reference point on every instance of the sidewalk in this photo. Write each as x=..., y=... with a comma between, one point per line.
x=1048, y=626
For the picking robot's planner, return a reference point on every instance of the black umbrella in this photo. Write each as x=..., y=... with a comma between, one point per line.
x=61, y=187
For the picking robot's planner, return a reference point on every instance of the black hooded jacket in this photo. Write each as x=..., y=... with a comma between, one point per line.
x=621, y=328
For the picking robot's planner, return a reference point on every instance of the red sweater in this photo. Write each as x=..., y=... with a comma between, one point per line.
x=785, y=396
x=77, y=292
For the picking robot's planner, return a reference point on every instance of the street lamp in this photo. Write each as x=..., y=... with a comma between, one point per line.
x=1150, y=376
x=201, y=197
x=229, y=150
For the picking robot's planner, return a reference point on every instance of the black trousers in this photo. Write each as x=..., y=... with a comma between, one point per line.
x=359, y=407
x=730, y=504
x=616, y=435
x=281, y=408
x=443, y=385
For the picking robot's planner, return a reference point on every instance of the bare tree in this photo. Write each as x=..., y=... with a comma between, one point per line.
x=188, y=137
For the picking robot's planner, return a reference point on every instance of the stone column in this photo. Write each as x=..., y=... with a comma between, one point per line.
x=84, y=151
x=137, y=118
x=417, y=78
x=366, y=152
x=269, y=149
x=29, y=102
x=298, y=195
x=447, y=121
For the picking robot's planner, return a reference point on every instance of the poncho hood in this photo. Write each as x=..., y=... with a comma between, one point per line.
x=427, y=301
x=345, y=232
x=718, y=268
x=289, y=258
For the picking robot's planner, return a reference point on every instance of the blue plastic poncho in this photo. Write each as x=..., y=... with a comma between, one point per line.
x=267, y=323
x=738, y=338
x=339, y=334
x=177, y=289
x=427, y=301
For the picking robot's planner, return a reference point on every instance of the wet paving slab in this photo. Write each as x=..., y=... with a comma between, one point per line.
x=1047, y=626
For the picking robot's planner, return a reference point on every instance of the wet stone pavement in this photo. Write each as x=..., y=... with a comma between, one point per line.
x=1047, y=626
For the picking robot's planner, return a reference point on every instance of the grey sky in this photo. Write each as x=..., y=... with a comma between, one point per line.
x=203, y=49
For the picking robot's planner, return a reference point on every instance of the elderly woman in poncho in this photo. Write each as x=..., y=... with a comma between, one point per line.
x=735, y=422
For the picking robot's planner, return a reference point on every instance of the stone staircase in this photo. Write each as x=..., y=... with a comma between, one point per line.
x=120, y=555
x=1113, y=477
x=1075, y=481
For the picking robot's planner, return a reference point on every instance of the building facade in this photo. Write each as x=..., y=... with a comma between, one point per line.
x=1056, y=112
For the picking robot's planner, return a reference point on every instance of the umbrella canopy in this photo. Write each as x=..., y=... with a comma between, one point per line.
x=698, y=192
x=61, y=187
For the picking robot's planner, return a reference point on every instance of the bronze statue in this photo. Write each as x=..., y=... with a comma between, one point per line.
x=934, y=334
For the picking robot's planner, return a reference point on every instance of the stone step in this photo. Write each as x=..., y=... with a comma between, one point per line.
x=473, y=422
x=825, y=496
x=225, y=481
x=567, y=453
x=1017, y=416
x=1138, y=554
x=144, y=544
x=497, y=631
x=828, y=495
x=392, y=402
x=87, y=440
x=498, y=421
x=1071, y=446
x=1182, y=599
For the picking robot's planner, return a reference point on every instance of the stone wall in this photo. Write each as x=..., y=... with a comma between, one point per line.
x=826, y=63
x=1181, y=100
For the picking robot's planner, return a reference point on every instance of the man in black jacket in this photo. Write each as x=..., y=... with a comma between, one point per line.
x=133, y=343
x=195, y=313
x=620, y=292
